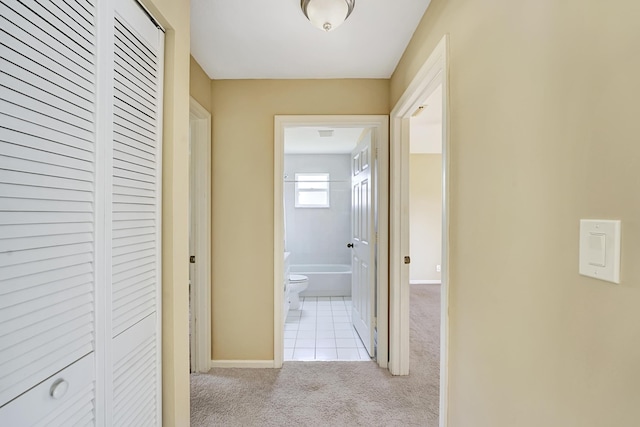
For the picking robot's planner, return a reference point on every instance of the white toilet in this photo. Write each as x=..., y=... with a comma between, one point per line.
x=297, y=284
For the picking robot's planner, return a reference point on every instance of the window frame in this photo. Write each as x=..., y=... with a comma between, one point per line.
x=300, y=177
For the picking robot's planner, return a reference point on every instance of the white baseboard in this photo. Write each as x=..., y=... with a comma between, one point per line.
x=242, y=364
x=425, y=282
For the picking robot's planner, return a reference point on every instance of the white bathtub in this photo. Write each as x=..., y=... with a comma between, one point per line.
x=325, y=280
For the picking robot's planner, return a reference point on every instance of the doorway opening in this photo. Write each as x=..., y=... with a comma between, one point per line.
x=199, y=237
x=425, y=191
x=330, y=263
x=429, y=85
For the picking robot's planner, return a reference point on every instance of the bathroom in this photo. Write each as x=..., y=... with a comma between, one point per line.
x=317, y=220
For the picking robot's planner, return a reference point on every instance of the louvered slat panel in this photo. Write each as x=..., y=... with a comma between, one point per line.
x=126, y=48
x=47, y=93
x=24, y=192
x=135, y=215
x=37, y=408
x=81, y=9
x=45, y=325
x=123, y=225
x=59, y=332
x=75, y=22
x=134, y=250
x=29, y=141
x=136, y=191
x=137, y=285
x=142, y=306
x=140, y=101
x=19, y=148
x=55, y=360
x=133, y=151
x=77, y=409
x=125, y=156
x=46, y=319
x=82, y=46
x=142, y=54
x=22, y=165
x=135, y=382
x=125, y=182
x=47, y=180
x=44, y=217
x=126, y=245
x=68, y=334
x=44, y=49
x=131, y=275
x=135, y=79
x=37, y=105
x=47, y=134
x=136, y=167
x=128, y=113
x=42, y=119
x=124, y=134
x=32, y=230
x=68, y=272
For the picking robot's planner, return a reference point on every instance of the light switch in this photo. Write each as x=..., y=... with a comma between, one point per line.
x=600, y=249
x=597, y=249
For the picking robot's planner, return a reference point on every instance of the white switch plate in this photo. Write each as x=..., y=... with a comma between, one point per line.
x=600, y=249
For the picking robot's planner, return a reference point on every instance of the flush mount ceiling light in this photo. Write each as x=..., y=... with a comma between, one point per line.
x=327, y=14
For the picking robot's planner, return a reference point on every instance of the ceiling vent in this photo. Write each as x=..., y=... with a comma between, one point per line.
x=325, y=133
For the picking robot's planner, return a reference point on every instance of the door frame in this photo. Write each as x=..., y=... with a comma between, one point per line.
x=433, y=72
x=200, y=166
x=380, y=123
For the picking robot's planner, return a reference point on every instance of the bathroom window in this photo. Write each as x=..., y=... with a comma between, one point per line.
x=312, y=190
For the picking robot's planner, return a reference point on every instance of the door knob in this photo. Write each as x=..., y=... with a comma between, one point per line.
x=349, y=245
x=59, y=389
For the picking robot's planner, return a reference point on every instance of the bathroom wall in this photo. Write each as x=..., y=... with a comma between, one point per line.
x=319, y=235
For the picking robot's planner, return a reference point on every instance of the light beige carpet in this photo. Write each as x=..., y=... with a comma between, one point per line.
x=330, y=393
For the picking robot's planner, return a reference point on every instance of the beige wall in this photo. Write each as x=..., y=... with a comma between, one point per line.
x=425, y=215
x=199, y=85
x=544, y=131
x=243, y=119
x=174, y=16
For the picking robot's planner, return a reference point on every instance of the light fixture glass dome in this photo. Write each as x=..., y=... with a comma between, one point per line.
x=327, y=14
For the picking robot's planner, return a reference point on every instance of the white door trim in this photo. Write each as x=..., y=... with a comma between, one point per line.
x=381, y=124
x=432, y=73
x=200, y=124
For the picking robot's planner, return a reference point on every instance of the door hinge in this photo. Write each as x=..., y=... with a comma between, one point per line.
x=407, y=260
x=192, y=259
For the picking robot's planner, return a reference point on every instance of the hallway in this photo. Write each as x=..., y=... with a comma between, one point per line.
x=330, y=393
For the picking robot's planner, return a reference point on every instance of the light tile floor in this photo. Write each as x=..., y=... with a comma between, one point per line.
x=322, y=330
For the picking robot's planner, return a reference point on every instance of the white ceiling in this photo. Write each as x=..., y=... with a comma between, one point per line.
x=307, y=140
x=425, y=132
x=272, y=39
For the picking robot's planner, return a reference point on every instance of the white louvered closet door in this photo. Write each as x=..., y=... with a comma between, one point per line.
x=80, y=187
x=47, y=212
x=138, y=50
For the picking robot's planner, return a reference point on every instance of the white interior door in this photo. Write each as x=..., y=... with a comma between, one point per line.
x=363, y=238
